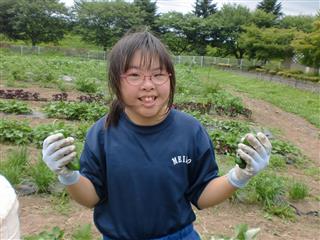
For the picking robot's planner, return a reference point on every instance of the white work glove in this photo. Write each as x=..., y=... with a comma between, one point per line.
x=256, y=156
x=57, y=152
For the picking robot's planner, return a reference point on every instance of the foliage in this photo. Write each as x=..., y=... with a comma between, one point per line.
x=308, y=45
x=226, y=26
x=75, y=111
x=204, y=8
x=242, y=232
x=13, y=131
x=226, y=135
x=105, y=22
x=270, y=190
x=42, y=131
x=263, y=19
x=14, y=107
x=54, y=234
x=41, y=175
x=13, y=168
x=268, y=43
x=88, y=85
x=49, y=70
x=187, y=29
x=83, y=232
x=302, y=103
x=301, y=23
x=19, y=94
x=148, y=10
x=270, y=6
x=298, y=190
x=33, y=20
x=291, y=153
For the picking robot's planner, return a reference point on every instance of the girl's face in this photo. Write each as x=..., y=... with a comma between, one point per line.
x=145, y=98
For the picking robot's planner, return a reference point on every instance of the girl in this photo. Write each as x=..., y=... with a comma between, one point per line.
x=145, y=163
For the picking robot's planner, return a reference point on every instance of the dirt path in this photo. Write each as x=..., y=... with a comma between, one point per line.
x=293, y=128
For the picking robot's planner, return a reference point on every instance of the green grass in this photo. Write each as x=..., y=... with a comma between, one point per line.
x=303, y=103
x=14, y=166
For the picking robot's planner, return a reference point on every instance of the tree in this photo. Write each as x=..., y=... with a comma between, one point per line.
x=226, y=26
x=33, y=20
x=204, y=8
x=183, y=32
x=149, y=11
x=267, y=43
x=308, y=44
x=301, y=23
x=270, y=6
x=263, y=19
x=104, y=23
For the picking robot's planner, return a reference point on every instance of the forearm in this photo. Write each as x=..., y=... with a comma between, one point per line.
x=217, y=190
x=83, y=192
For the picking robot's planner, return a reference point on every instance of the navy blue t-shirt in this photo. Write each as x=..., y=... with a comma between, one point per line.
x=146, y=176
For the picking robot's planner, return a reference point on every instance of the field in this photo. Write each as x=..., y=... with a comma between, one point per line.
x=41, y=94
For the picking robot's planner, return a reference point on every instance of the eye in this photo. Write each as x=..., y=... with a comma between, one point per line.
x=134, y=75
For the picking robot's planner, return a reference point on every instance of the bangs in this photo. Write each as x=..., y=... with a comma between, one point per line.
x=151, y=51
x=147, y=60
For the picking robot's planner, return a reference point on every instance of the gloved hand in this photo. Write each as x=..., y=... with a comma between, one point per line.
x=256, y=156
x=57, y=152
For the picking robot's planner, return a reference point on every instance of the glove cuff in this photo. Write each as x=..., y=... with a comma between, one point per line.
x=69, y=178
x=233, y=178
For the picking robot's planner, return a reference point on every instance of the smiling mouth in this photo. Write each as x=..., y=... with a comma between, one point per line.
x=148, y=99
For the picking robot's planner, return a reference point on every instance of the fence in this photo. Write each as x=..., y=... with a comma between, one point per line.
x=102, y=55
x=225, y=63
x=72, y=52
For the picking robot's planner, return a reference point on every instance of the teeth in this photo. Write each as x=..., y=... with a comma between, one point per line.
x=148, y=99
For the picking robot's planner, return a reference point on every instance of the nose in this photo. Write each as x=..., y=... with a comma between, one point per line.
x=147, y=83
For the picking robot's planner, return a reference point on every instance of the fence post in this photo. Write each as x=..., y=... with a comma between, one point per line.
x=201, y=62
x=21, y=50
x=38, y=50
x=241, y=63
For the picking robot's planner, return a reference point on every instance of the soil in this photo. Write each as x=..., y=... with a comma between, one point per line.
x=37, y=212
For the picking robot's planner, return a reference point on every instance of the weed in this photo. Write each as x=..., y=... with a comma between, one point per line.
x=298, y=190
x=42, y=176
x=277, y=161
x=61, y=201
x=83, y=233
x=55, y=234
x=13, y=168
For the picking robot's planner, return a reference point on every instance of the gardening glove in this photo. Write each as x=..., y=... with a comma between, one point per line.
x=57, y=152
x=256, y=156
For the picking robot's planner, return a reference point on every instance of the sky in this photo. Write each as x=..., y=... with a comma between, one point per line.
x=289, y=7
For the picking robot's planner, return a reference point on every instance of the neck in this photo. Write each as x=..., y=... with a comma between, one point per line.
x=147, y=121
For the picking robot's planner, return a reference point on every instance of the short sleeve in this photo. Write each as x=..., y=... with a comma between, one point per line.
x=204, y=168
x=92, y=162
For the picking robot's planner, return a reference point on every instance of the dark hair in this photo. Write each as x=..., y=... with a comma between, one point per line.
x=119, y=61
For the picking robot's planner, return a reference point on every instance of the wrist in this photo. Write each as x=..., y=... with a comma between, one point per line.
x=237, y=177
x=69, y=178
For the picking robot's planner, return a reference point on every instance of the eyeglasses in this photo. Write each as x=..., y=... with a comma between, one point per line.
x=137, y=79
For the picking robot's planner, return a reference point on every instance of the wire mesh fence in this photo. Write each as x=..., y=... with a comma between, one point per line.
x=102, y=55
